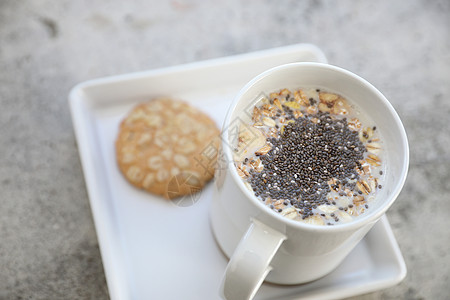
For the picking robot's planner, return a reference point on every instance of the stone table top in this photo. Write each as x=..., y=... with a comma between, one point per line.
x=48, y=244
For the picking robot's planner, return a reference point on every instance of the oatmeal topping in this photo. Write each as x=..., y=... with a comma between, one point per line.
x=317, y=163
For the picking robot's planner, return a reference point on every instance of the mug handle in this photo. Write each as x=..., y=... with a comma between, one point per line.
x=249, y=264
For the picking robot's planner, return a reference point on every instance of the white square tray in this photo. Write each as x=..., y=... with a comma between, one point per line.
x=153, y=249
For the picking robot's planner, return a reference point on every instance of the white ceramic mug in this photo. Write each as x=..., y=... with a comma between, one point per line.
x=263, y=245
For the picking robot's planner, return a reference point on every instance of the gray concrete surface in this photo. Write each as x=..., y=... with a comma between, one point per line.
x=48, y=244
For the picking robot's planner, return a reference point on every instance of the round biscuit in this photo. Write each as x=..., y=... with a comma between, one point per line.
x=165, y=142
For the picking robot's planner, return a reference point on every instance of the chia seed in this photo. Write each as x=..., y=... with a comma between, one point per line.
x=325, y=155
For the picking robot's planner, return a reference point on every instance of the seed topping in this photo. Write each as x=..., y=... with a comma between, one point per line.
x=307, y=155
